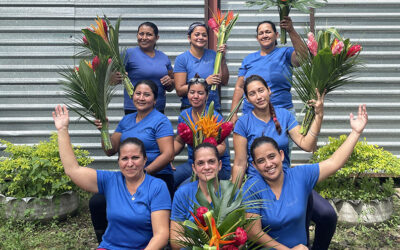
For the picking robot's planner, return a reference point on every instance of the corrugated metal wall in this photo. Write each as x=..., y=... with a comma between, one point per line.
x=372, y=23
x=37, y=40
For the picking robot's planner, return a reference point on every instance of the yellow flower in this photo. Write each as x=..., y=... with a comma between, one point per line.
x=101, y=28
x=208, y=125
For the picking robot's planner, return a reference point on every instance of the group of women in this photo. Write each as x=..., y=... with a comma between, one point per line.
x=132, y=208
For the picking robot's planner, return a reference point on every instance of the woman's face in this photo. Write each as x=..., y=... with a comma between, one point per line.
x=131, y=161
x=146, y=38
x=258, y=94
x=266, y=36
x=197, y=95
x=268, y=162
x=143, y=98
x=199, y=37
x=206, y=165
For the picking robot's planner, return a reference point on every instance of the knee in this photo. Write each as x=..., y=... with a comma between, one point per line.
x=97, y=202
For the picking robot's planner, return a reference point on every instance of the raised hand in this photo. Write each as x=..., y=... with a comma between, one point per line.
x=61, y=117
x=222, y=48
x=358, y=124
x=287, y=24
x=318, y=104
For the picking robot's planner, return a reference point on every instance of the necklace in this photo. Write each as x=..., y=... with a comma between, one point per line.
x=139, y=182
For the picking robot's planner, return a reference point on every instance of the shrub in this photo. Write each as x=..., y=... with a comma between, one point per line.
x=350, y=182
x=36, y=171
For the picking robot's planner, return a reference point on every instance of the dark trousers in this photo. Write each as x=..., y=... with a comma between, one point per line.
x=324, y=216
x=97, y=207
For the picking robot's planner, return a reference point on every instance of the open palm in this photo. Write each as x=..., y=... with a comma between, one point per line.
x=361, y=121
x=61, y=117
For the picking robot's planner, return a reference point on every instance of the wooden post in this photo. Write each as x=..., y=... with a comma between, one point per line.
x=210, y=7
x=312, y=20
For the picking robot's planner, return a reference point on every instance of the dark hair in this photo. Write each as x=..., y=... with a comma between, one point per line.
x=253, y=78
x=262, y=140
x=151, y=85
x=270, y=23
x=151, y=25
x=205, y=145
x=135, y=141
x=194, y=25
x=198, y=80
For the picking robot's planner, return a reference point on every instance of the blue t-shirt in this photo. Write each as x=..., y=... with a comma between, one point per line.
x=286, y=217
x=250, y=127
x=152, y=127
x=183, y=202
x=275, y=68
x=226, y=158
x=129, y=216
x=140, y=66
x=187, y=63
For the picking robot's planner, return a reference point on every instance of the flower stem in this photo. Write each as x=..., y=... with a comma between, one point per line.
x=307, y=121
x=128, y=86
x=283, y=11
x=218, y=57
x=105, y=136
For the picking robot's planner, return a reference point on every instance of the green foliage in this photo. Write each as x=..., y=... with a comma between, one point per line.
x=36, y=171
x=350, y=182
x=301, y=5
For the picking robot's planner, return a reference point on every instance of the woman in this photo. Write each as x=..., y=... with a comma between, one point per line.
x=199, y=60
x=154, y=130
x=271, y=63
x=197, y=96
x=145, y=62
x=206, y=165
x=138, y=205
x=280, y=124
x=287, y=189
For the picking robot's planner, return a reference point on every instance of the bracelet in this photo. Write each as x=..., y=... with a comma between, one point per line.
x=312, y=134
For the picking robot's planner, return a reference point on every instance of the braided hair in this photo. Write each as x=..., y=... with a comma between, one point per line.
x=253, y=78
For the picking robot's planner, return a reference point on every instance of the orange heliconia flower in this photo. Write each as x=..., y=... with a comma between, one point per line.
x=208, y=125
x=229, y=17
x=100, y=29
x=216, y=238
x=199, y=224
x=89, y=64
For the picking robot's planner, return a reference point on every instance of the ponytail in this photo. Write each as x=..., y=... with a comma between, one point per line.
x=273, y=115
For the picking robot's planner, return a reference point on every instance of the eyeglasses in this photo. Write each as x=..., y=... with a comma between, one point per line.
x=197, y=79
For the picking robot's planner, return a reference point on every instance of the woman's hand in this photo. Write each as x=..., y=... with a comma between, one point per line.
x=222, y=49
x=98, y=124
x=318, y=104
x=167, y=81
x=358, y=124
x=287, y=24
x=214, y=79
x=116, y=78
x=61, y=117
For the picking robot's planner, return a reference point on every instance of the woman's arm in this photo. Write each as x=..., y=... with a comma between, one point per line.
x=308, y=142
x=85, y=178
x=174, y=235
x=160, y=226
x=224, y=67
x=237, y=95
x=240, y=162
x=179, y=144
x=342, y=154
x=168, y=81
x=221, y=148
x=166, y=145
x=115, y=140
x=300, y=49
x=181, y=86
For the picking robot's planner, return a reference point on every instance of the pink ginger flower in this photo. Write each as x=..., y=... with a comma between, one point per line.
x=213, y=24
x=353, y=50
x=230, y=247
x=337, y=47
x=199, y=214
x=211, y=140
x=95, y=62
x=240, y=236
x=85, y=41
x=109, y=60
x=226, y=129
x=186, y=133
x=312, y=44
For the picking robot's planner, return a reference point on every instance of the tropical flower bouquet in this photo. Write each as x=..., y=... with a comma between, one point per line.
x=89, y=88
x=221, y=225
x=331, y=64
x=284, y=7
x=104, y=39
x=222, y=25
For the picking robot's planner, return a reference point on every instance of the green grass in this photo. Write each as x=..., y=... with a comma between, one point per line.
x=77, y=233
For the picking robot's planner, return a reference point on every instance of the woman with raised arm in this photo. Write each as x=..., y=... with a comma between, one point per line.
x=197, y=96
x=138, y=205
x=286, y=190
x=280, y=124
x=145, y=62
x=206, y=165
x=198, y=59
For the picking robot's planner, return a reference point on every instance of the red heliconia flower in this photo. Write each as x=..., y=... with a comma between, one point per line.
x=240, y=236
x=230, y=247
x=76, y=68
x=109, y=60
x=211, y=140
x=353, y=50
x=104, y=26
x=199, y=214
x=85, y=41
x=186, y=133
x=213, y=24
x=95, y=62
x=226, y=129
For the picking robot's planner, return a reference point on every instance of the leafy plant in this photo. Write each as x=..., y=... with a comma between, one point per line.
x=36, y=171
x=352, y=181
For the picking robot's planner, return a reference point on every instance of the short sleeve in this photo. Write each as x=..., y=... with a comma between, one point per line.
x=180, y=205
x=169, y=66
x=164, y=128
x=243, y=68
x=160, y=198
x=240, y=127
x=292, y=122
x=180, y=64
x=102, y=180
x=251, y=193
x=310, y=174
x=288, y=55
x=121, y=125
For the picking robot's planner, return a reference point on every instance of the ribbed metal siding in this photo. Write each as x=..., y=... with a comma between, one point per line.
x=373, y=24
x=37, y=40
